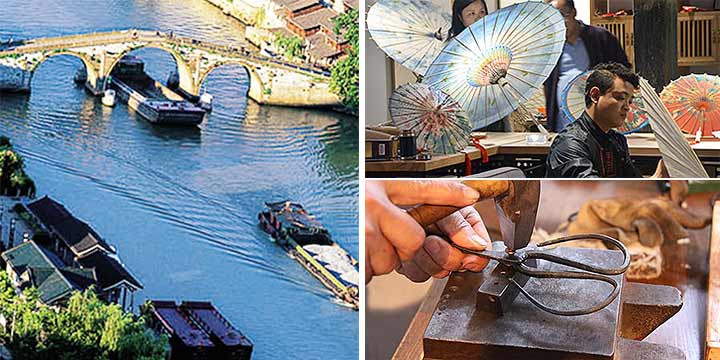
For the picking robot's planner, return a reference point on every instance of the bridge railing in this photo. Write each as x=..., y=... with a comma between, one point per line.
x=78, y=40
x=90, y=39
x=248, y=54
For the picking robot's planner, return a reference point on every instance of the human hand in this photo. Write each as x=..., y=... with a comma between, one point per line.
x=437, y=258
x=391, y=235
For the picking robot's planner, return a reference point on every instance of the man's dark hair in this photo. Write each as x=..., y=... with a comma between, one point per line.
x=457, y=7
x=570, y=4
x=604, y=75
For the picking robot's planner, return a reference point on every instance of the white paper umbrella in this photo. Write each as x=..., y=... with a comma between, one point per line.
x=680, y=159
x=411, y=32
x=573, y=105
x=498, y=62
x=438, y=121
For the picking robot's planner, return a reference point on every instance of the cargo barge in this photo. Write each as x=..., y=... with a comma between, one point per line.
x=310, y=244
x=152, y=100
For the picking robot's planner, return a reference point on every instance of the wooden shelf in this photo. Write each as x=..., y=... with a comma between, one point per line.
x=698, y=36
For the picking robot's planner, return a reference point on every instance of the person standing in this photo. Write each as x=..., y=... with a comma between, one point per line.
x=585, y=47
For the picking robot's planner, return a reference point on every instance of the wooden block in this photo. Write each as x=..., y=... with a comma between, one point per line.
x=712, y=345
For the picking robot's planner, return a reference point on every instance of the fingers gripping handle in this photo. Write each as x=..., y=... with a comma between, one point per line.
x=427, y=215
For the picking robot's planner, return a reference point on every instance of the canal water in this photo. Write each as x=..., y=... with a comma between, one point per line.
x=180, y=205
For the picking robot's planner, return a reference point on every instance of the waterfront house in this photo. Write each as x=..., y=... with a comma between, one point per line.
x=348, y=5
x=77, y=248
x=308, y=24
x=293, y=8
x=197, y=330
x=115, y=284
x=322, y=49
x=31, y=265
x=69, y=237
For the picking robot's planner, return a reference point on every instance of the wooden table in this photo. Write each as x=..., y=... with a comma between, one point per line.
x=685, y=265
x=643, y=148
x=491, y=143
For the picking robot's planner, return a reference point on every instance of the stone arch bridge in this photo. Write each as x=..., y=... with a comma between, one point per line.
x=272, y=81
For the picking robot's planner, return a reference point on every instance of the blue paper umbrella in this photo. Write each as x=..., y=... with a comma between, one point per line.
x=411, y=32
x=497, y=63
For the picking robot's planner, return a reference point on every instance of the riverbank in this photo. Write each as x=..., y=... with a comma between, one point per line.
x=238, y=9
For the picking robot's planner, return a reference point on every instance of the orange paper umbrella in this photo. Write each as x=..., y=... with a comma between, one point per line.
x=694, y=102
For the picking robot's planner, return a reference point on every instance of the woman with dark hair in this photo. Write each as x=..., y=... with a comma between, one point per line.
x=465, y=13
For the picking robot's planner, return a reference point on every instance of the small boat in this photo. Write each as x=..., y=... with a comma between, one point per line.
x=108, y=98
x=206, y=102
x=310, y=244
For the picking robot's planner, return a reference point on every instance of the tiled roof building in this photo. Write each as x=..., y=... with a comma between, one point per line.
x=67, y=255
x=31, y=265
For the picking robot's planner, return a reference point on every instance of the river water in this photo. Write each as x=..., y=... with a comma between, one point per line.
x=180, y=205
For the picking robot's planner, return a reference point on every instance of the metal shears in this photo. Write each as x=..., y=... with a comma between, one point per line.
x=516, y=202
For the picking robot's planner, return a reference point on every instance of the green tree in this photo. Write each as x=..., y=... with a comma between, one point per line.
x=13, y=180
x=345, y=74
x=86, y=328
x=291, y=46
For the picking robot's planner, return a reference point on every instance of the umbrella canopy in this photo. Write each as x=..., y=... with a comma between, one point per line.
x=498, y=62
x=573, y=105
x=411, y=32
x=694, y=102
x=680, y=159
x=438, y=121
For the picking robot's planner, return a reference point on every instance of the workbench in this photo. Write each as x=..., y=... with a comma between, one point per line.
x=511, y=149
x=686, y=267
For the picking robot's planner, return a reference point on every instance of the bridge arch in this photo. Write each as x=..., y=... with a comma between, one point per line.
x=90, y=65
x=185, y=74
x=256, y=89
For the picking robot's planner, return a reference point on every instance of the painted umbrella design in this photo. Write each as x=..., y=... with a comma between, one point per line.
x=573, y=105
x=412, y=32
x=694, y=102
x=680, y=159
x=438, y=121
x=498, y=62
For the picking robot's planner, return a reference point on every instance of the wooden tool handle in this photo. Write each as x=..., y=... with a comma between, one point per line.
x=427, y=215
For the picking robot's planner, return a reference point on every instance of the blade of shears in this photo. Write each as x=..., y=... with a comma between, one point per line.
x=517, y=212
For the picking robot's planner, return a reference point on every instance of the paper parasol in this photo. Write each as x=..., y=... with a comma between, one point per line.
x=573, y=105
x=494, y=65
x=536, y=103
x=680, y=159
x=694, y=103
x=412, y=32
x=438, y=121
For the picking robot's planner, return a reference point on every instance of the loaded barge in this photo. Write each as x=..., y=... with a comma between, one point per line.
x=310, y=244
x=152, y=100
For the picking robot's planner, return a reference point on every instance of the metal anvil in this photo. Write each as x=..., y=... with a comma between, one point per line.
x=465, y=325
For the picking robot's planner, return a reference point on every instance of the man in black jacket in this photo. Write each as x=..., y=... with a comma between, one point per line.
x=585, y=47
x=589, y=147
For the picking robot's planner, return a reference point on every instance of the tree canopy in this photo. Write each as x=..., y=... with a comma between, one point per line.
x=13, y=179
x=345, y=74
x=86, y=328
